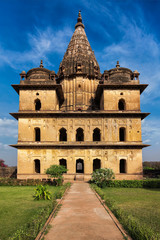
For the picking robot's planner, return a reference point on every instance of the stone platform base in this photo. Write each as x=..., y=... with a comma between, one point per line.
x=79, y=177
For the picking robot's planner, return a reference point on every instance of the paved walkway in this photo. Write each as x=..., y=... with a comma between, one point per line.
x=82, y=217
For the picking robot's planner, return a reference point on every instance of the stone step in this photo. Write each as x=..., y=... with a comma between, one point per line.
x=79, y=177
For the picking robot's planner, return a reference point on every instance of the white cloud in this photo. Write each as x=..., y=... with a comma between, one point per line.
x=151, y=131
x=4, y=146
x=8, y=128
x=42, y=43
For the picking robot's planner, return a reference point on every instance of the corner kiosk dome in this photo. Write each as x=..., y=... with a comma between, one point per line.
x=38, y=74
x=120, y=74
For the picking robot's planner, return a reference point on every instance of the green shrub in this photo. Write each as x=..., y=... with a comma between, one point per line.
x=100, y=176
x=56, y=171
x=41, y=192
x=148, y=183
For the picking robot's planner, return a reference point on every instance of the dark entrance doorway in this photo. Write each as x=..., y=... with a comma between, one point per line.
x=122, y=166
x=37, y=166
x=96, y=164
x=79, y=166
x=63, y=162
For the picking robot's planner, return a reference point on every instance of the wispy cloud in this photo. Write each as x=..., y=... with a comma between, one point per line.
x=41, y=44
x=4, y=146
x=133, y=43
x=151, y=131
x=8, y=128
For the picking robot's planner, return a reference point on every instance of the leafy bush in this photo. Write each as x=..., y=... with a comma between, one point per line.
x=41, y=192
x=56, y=171
x=100, y=176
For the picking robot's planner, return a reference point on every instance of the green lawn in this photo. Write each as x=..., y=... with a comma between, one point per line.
x=17, y=206
x=143, y=204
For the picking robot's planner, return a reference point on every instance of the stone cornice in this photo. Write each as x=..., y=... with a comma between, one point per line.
x=82, y=145
x=128, y=86
x=41, y=86
x=80, y=114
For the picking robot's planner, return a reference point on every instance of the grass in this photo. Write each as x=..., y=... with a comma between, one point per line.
x=142, y=204
x=17, y=206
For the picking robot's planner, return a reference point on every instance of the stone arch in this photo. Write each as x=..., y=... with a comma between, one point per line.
x=63, y=135
x=96, y=134
x=79, y=135
x=37, y=134
x=122, y=134
x=121, y=104
x=122, y=166
x=79, y=166
x=63, y=162
x=96, y=164
x=37, y=103
x=37, y=166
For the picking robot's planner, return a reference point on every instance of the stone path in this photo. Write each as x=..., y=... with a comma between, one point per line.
x=82, y=217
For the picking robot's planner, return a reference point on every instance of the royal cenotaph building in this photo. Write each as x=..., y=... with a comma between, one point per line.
x=79, y=117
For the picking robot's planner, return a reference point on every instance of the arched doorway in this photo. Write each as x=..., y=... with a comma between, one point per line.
x=96, y=134
x=79, y=135
x=79, y=166
x=121, y=104
x=37, y=134
x=96, y=164
x=63, y=135
x=122, y=166
x=122, y=134
x=37, y=104
x=63, y=162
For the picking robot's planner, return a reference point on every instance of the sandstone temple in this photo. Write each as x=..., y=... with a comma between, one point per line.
x=79, y=117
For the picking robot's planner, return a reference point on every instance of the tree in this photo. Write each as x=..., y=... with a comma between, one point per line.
x=2, y=163
x=56, y=171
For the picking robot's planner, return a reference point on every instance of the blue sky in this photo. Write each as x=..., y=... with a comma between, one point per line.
x=127, y=31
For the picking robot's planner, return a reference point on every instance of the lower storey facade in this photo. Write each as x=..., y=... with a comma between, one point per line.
x=125, y=163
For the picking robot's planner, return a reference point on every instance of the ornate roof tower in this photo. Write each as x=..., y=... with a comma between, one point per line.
x=79, y=57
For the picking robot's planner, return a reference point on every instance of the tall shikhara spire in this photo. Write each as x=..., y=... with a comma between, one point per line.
x=79, y=57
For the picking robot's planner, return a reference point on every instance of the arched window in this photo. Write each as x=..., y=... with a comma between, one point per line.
x=63, y=135
x=79, y=166
x=96, y=134
x=37, y=167
x=122, y=134
x=122, y=166
x=121, y=104
x=63, y=162
x=37, y=134
x=37, y=104
x=96, y=164
x=79, y=135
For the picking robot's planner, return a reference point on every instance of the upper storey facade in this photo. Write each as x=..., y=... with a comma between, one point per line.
x=79, y=85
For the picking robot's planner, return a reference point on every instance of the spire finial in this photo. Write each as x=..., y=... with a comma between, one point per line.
x=79, y=20
x=117, y=66
x=41, y=65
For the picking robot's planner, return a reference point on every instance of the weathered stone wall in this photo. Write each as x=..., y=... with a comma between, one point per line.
x=8, y=171
x=110, y=158
x=110, y=99
x=48, y=98
x=79, y=93
x=109, y=128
